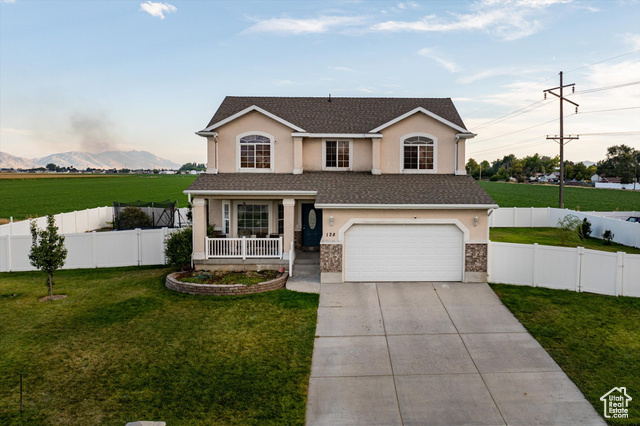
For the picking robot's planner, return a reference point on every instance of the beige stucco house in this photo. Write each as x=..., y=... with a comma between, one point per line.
x=377, y=185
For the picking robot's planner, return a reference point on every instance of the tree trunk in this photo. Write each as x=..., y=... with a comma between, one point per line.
x=51, y=286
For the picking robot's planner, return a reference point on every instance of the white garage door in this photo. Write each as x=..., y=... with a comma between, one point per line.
x=403, y=253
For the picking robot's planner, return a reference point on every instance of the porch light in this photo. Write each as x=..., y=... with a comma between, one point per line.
x=330, y=220
x=475, y=221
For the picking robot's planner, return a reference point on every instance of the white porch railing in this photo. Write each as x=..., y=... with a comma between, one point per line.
x=244, y=248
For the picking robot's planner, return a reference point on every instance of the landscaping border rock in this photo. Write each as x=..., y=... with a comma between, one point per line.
x=224, y=290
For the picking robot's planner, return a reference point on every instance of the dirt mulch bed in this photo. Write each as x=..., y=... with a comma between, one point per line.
x=55, y=297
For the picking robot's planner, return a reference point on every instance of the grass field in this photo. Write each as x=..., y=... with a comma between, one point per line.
x=548, y=237
x=584, y=199
x=29, y=197
x=594, y=338
x=24, y=196
x=121, y=347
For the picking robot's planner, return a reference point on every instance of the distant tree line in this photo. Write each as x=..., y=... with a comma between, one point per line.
x=621, y=161
x=193, y=166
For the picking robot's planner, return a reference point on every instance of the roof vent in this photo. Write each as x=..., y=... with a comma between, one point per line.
x=329, y=100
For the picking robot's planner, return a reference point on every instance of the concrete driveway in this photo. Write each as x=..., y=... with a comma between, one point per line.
x=432, y=354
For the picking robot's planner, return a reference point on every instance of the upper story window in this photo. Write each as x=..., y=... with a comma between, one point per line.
x=255, y=152
x=418, y=154
x=336, y=155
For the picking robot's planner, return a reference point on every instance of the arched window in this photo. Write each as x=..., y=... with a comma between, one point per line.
x=418, y=153
x=255, y=152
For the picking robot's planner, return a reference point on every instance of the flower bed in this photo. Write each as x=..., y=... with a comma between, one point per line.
x=175, y=283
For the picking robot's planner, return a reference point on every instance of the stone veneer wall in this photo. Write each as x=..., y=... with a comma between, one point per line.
x=297, y=240
x=476, y=257
x=224, y=290
x=330, y=257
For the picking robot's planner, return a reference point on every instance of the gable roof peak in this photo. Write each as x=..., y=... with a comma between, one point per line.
x=341, y=115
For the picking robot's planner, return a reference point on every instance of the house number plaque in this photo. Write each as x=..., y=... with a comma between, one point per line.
x=312, y=219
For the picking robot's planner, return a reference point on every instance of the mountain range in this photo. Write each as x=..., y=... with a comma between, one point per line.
x=84, y=160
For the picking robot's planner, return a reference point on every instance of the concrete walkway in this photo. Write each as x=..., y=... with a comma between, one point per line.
x=432, y=354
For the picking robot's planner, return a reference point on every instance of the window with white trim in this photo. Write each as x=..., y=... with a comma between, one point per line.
x=255, y=152
x=253, y=219
x=418, y=153
x=226, y=218
x=337, y=154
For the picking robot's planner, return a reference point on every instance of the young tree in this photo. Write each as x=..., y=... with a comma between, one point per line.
x=568, y=228
x=47, y=250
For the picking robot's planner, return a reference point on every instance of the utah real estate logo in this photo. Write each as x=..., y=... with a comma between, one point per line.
x=616, y=403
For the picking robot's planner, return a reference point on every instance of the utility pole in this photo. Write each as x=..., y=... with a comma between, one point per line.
x=561, y=138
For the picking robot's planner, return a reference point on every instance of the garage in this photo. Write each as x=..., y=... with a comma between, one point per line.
x=403, y=252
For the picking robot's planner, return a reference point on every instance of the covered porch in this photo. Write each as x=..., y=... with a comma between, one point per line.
x=247, y=230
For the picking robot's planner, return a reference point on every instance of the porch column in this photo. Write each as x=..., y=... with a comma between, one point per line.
x=199, y=228
x=289, y=209
x=212, y=154
x=297, y=156
x=375, y=153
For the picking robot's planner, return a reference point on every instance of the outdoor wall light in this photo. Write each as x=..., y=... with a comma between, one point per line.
x=475, y=221
x=330, y=220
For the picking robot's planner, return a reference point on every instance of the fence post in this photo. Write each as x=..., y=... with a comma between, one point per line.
x=515, y=215
x=244, y=248
x=139, y=238
x=579, y=253
x=75, y=221
x=94, y=243
x=534, y=278
x=533, y=212
x=619, y=273
x=164, y=248
x=9, y=246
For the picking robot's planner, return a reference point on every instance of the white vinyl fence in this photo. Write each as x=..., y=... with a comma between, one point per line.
x=626, y=233
x=92, y=249
x=76, y=221
x=577, y=269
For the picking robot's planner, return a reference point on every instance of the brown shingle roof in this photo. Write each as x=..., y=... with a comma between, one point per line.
x=341, y=115
x=355, y=187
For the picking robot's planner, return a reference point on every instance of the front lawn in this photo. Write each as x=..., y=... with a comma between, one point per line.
x=121, y=347
x=575, y=198
x=594, y=338
x=548, y=237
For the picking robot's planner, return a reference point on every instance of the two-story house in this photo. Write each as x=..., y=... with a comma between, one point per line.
x=377, y=185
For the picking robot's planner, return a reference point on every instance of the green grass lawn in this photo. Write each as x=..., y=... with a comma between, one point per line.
x=594, y=338
x=586, y=199
x=121, y=347
x=548, y=237
x=30, y=197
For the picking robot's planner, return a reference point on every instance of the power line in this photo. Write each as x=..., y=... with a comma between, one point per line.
x=604, y=60
x=603, y=110
x=626, y=133
x=516, y=131
x=600, y=89
x=513, y=113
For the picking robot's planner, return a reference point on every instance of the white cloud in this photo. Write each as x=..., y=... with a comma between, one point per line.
x=295, y=26
x=157, y=9
x=7, y=1
x=632, y=40
x=449, y=65
x=343, y=69
x=504, y=19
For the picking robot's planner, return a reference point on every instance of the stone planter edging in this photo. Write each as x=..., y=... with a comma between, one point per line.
x=224, y=290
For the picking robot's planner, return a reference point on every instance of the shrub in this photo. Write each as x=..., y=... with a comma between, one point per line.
x=178, y=248
x=133, y=217
x=567, y=228
x=585, y=229
x=608, y=237
x=494, y=178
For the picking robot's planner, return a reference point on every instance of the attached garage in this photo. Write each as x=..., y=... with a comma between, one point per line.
x=403, y=252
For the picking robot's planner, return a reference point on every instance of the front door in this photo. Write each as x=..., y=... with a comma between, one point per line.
x=311, y=225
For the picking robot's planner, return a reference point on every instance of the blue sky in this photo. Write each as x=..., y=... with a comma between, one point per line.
x=102, y=75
